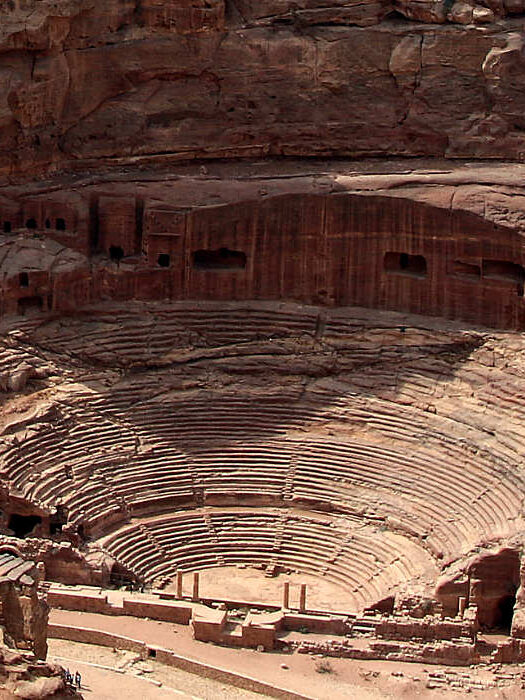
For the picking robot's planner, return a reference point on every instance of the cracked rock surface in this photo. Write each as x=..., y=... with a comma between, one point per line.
x=82, y=81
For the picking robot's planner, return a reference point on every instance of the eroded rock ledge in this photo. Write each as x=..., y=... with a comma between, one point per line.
x=81, y=81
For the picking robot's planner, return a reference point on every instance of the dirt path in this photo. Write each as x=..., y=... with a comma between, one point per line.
x=139, y=679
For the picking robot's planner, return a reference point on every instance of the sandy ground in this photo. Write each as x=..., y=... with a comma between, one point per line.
x=347, y=678
x=136, y=678
x=104, y=684
x=249, y=584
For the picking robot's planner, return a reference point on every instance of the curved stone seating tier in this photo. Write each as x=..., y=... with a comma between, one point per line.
x=435, y=488
x=118, y=335
x=156, y=454
x=418, y=431
x=367, y=563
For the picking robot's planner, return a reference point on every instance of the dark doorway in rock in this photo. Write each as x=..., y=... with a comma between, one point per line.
x=505, y=612
x=116, y=253
x=7, y=227
x=31, y=223
x=222, y=259
x=120, y=577
x=47, y=223
x=163, y=260
x=60, y=224
x=405, y=264
x=23, y=525
x=494, y=580
x=58, y=520
x=30, y=304
x=23, y=278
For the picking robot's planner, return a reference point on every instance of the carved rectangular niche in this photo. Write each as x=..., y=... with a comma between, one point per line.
x=466, y=270
x=503, y=270
x=405, y=264
x=221, y=259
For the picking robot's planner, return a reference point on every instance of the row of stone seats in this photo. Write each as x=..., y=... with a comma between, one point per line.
x=118, y=334
x=366, y=564
x=243, y=418
x=247, y=468
x=409, y=424
x=156, y=481
x=435, y=488
x=217, y=323
x=438, y=489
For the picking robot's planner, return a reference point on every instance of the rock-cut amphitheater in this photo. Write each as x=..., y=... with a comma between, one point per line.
x=262, y=351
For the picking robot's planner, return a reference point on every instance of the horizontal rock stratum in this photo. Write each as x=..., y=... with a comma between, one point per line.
x=82, y=80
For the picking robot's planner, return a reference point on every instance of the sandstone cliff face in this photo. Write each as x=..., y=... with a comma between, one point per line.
x=23, y=609
x=416, y=241
x=81, y=80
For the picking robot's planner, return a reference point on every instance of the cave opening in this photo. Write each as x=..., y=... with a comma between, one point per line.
x=505, y=612
x=60, y=224
x=221, y=259
x=23, y=525
x=23, y=278
x=116, y=253
x=120, y=577
x=494, y=581
x=7, y=227
x=163, y=260
x=31, y=223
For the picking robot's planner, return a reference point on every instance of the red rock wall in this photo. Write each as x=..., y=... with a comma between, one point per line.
x=343, y=249
x=332, y=250
x=183, y=16
x=117, y=226
x=214, y=79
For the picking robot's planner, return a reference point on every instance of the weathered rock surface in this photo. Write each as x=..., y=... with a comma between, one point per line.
x=23, y=626
x=23, y=678
x=437, y=237
x=402, y=436
x=210, y=79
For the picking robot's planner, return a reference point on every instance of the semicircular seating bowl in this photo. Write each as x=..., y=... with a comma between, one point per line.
x=361, y=444
x=437, y=491
x=364, y=561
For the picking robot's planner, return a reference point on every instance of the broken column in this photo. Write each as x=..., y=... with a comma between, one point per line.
x=286, y=595
x=302, y=598
x=179, y=584
x=195, y=595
